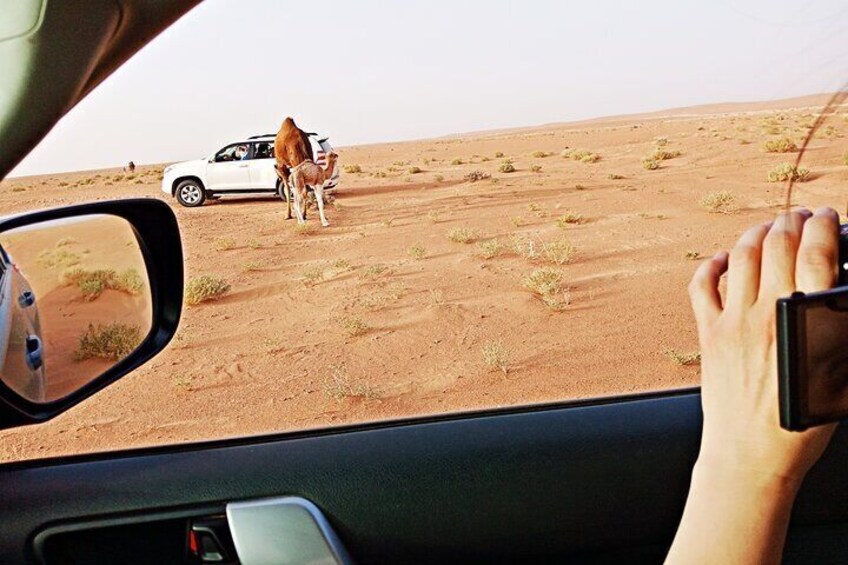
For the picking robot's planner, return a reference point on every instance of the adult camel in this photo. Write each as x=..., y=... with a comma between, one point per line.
x=291, y=148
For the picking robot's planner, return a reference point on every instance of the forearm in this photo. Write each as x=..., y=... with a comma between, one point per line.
x=732, y=518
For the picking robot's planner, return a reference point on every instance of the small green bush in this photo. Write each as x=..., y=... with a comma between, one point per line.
x=780, y=145
x=108, y=341
x=205, y=288
x=785, y=172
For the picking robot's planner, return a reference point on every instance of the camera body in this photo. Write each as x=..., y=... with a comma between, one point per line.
x=812, y=352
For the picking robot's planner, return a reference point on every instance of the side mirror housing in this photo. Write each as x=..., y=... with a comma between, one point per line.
x=88, y=293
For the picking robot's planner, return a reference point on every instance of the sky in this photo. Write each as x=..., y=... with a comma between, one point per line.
x=372, y=71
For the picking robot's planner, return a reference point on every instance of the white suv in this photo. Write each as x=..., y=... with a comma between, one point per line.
x=192, y=182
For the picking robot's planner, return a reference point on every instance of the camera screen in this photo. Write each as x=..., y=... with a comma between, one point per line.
x=826, y=360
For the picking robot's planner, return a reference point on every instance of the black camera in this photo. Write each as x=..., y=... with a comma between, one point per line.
x=812, y=352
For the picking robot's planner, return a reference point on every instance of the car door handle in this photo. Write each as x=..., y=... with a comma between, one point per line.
x=26, y=299
x=243, y=166
x=283, y=530
x=34, y=352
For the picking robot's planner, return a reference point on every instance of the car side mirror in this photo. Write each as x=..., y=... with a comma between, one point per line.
x=88, y=293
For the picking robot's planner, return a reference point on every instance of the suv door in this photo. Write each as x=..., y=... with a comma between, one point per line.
x=226, y=172
x=263, y=176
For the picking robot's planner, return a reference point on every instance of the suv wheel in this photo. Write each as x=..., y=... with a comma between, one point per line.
x=190, y=193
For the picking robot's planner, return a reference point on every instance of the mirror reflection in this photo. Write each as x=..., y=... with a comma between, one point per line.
x=74, y=301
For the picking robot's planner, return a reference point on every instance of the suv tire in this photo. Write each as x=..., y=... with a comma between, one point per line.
x=190, y=193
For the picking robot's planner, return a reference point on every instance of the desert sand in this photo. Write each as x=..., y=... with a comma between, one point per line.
x=384, y=316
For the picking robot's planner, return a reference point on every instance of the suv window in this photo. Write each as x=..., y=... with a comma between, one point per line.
x=263, y=150
x=228, y=153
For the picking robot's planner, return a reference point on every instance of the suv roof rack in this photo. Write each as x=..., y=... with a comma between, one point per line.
x=262, y=135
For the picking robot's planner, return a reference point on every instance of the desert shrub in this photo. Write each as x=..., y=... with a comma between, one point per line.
x=570, y=218
x=254, y=244
x=417, y=252
x=684, y=359
x=525, y=247
x=414, y=170
x=456, y=162
x=19, y=189
x=92, y=283
x=845, y=158
x=541, y=154
x=517, y=221
x=474, y=176
x=559, y=252
x=205, y=288
x=490, y=249
x=535, y=168
x=496, y=355
x=352, y=169
x=462, y=235
x=65, y=241
x=353, y=326
x=718, y=202
x=650, y=164
x=313, y=275
x=661, y=141
x=225, y=243
x=660, y=154
x=693, y=255
x=583, y=155
x=339, y=386
x=547, y=284
x=251, y=266
x=780, y=145
x=439, y=178
x=785, y=172
x=506, y=167
x=499, y=155
x=375, y=270
x=613, y=176
x=58, y=258
x=108, y=341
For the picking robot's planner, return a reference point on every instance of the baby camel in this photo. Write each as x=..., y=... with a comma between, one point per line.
x=310, y=174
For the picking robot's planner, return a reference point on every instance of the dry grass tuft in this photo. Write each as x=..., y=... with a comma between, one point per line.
x=205, y=288
x=718, y=202
x=785, y=171
x=496, y=355
x=462, y=235
x=559, y=252
x=506, y=167
x=490, y=249
x=780, y=145
x=108, y=341
x=475, y=176
x=338, y=386
x=352, y=169
x=547, y=284
x=92, y=283
x=417, y=252
x=684, y=359
x=225, y=243
x=353, y=326
x=570, y=218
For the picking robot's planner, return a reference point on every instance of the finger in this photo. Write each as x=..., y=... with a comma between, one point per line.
x=703, y=289
x=743, y=272
x=816, y=265
x=779, y=252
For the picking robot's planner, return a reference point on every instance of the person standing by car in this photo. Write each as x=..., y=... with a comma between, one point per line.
x=749, y=469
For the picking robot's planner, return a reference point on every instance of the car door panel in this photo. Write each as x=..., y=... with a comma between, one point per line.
x=228, y=175
x=589, y=482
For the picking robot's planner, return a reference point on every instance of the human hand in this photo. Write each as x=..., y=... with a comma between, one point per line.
x=739, y=390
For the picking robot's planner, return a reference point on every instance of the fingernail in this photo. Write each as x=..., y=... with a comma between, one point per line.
x=826, y=211
x=804, y=212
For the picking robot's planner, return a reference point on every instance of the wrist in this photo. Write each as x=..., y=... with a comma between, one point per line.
x=724, y=476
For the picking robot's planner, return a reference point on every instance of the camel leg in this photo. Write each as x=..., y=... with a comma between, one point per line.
x=298, y=203
x=285, y=185
x=319, y=198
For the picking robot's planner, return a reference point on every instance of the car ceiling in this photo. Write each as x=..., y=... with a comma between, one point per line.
x=54, y=52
